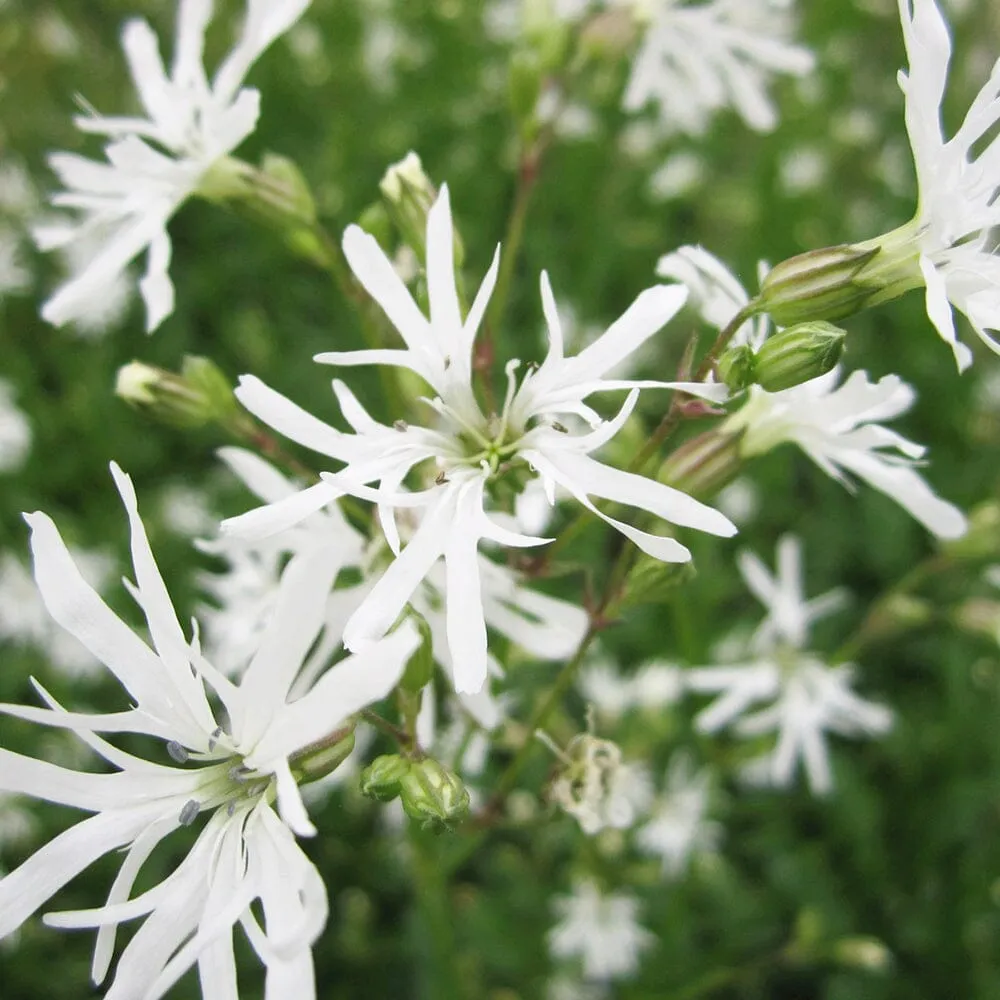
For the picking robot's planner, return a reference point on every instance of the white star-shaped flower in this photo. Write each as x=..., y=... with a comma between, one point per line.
x=602, y=931
x=840, y=429
x=470, y=450
x=957, y=178
x=679, y=826
x=696, y=59
x=234, y=764
x=789, y=614
x=804, y=699
x=157, y=161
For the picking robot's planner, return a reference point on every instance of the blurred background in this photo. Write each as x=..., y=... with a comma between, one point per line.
x=905, y=851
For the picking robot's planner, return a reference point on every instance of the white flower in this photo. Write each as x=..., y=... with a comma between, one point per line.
x=715, y=292
x=805, y=699
x=158, y=161
x=839, y=429
x=24, y=620
x=957, y=207
x=679, y=826
x=470, y=450
x=602, y=931
x=696, y=59
x=789, y=614
x=233, y=769
x=15, y=431
x=244, y=597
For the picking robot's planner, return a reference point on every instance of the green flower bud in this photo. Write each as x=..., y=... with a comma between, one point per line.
x=982, y=539
x=866, y=953
x=611, y=34
x=703, y=465
x=798, y=354
x=322, y=758
x=380, y=780
x=199, y=395
x=738, y=367
x=545, y=32
x=524, y=85
x=432, y=795
x=653, y=582
x=837, y=282
x=408, y=195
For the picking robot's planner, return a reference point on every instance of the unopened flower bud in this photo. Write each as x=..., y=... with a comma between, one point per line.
x=703, y=465
x=837, y=282
x=432, y=795
x=979, y=615
x=738, y=367
x=982, y=538
x=545, y=32
x=524, y=86
x=196, y=396
x=611, y=34
x=324, y=757
x=651, y=581
x=380, y=780
x=866, y=953
x=408, y=195
x=798, y=354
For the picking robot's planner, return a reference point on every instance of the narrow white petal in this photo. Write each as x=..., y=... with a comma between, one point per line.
x=59, y=861
x=292, y=421
x=262, y=522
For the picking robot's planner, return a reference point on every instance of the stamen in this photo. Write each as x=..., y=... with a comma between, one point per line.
x=177, y=752
x=213, y=740
x=189, y=813
x=401, y=425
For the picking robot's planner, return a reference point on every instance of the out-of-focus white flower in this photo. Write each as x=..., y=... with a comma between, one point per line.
x=564, y=987
x=604, y=687
x=789, y=614
x=804, y=700
x=601, y=931
x=17, y=824
x=957, y=209
x=156, y=162
x=802, y=169
x=653, y=686
x=679, y=826
x=715, y=292
x=597, y=787
x=24, y=620
x=678, y=175
x=18, y=197
x=739, y=501
x=470, y=450
x=15, y=431
x=840, y=429
x=696, y=59
x=15, y=276
x=234, y=770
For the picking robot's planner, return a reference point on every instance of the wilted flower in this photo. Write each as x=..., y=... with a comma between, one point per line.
x=157, y=162
x=597, y=787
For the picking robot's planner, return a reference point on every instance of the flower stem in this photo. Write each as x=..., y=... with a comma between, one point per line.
x=443, y=979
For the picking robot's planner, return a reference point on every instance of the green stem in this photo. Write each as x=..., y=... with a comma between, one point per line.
x=443, y=980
